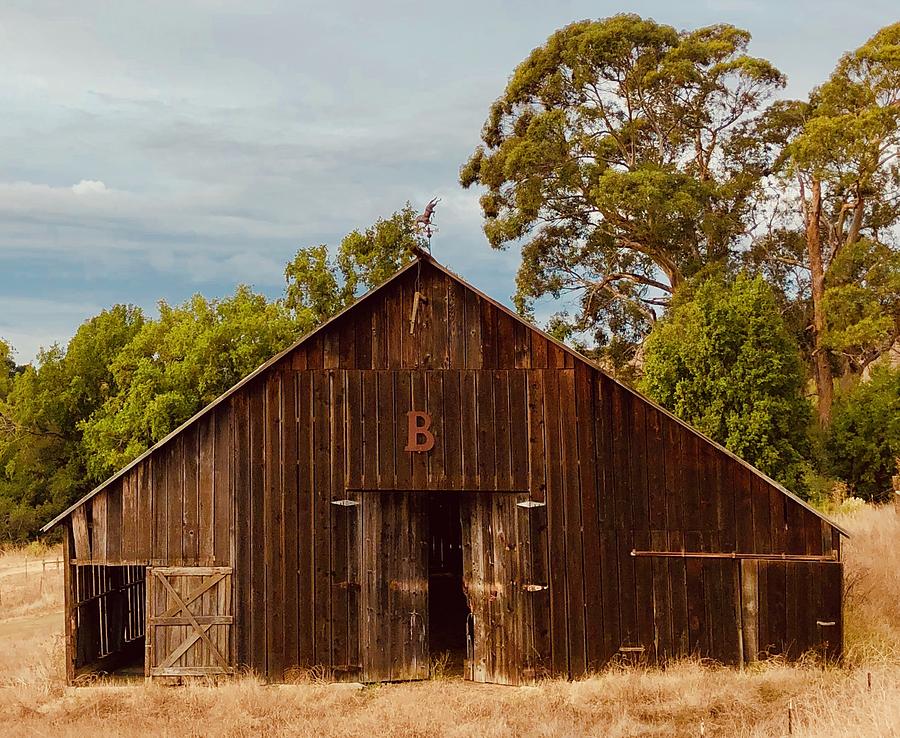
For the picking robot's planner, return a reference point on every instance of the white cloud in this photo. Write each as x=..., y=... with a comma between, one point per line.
x=89, y=187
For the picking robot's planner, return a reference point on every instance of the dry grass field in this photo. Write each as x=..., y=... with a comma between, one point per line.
x=687, y=699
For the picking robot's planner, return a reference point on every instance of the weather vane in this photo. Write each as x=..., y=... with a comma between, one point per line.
x=425, y=222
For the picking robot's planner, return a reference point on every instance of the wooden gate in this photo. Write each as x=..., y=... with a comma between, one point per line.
x=190, y=621
x=395, y=587
x=492, y=576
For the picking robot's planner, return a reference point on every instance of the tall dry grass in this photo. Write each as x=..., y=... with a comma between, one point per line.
x=686, y=699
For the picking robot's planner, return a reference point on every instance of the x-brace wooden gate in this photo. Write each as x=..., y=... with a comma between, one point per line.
x=190, y=618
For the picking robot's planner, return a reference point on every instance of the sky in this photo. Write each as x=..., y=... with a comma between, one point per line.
x=152, y=150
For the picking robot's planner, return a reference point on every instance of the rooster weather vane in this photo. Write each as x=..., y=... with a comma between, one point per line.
x=425, y=222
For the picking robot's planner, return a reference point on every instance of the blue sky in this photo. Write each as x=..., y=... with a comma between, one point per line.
x=155, y=149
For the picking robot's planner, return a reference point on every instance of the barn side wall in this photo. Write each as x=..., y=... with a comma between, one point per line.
x=251, y=484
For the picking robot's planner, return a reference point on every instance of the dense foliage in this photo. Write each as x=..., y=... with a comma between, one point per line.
x=863, y=442
x=619, y=155
x=723, y=360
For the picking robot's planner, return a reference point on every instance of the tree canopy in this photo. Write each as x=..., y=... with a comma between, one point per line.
x=723, y=360
x=620, y=157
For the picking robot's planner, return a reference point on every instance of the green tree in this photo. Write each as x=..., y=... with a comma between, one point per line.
x=176, y=365
x=863, y=442
x=723, y=360
x=620, y=156
x=318, y=287
x=841, y=191
x=43, y=465
x=7, y=368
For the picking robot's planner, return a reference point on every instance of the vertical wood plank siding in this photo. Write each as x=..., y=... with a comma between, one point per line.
x=252, y=484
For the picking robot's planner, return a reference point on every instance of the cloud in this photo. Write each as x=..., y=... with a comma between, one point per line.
x=88, y=187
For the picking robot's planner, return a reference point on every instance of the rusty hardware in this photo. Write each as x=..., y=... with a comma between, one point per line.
x=731, y=555
x=419, y=423
x=345, y=503
x=631, y=649
x=531, y=503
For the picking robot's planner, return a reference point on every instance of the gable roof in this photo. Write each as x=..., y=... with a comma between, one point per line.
x=420, y=257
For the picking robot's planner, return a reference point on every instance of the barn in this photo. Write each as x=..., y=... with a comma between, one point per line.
x=428, y=476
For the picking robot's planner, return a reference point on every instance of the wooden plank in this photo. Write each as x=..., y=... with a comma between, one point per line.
x=306, y=524
x=370, y=434
x=506, y=341
x=539, y=599
x=354, y=430
x=387, y=472
x=206, y=487
x=290, y=521
x=99, y=526
x=145, y=512
x=243, y=542
x=474, y=350
x=557, y=533
x=175, y=500
x=573, y=524
x=419, y=401
x=80, y=536
x=452, y=435
x=160, y=508
x=438, y=323
x=749, y=610
x=128, y=531
x=725, y=503
x=469, y=429
x=743, y=508
x=487, y=467
x=114, y=520
x=402, y=404
x=663, y=640
x=489, y=338
x=347, y=336
x=638, y=462
x=519, y=429
x=435, y=459
x=339, y=525
x=224, y=474
x=698, y=635
x=759, y=503
x=257, y=421
x=456, y=324
x=322, y=508
x=501, y=430
x=191, y=532
x=362, y=337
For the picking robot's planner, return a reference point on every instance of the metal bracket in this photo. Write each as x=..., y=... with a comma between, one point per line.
x=531, y=503
x=345, y=503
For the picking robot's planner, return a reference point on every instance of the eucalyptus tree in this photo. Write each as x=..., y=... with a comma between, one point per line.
x=621, y=158
x=834, y=230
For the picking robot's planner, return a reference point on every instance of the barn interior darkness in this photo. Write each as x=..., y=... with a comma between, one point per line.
x=448, y=609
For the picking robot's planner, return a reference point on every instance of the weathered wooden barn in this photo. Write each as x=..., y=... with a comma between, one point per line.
x=426, y=473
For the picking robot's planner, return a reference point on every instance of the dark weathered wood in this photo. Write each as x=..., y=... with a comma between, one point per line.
x=289, y=479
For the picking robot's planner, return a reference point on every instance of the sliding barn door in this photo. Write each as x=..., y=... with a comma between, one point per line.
x=190, y=619
x=499, y=621
x=395, y=587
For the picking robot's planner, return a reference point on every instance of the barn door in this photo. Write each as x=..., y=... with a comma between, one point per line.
x=395, y=588
x=494, y=588
x=190, y=619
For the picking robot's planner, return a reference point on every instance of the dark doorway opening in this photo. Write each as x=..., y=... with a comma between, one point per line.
x=448, y=608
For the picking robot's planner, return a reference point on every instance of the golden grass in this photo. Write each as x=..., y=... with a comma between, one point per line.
x=682, y=700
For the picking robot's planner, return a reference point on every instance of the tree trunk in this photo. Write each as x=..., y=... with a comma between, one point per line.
x=821, y=363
